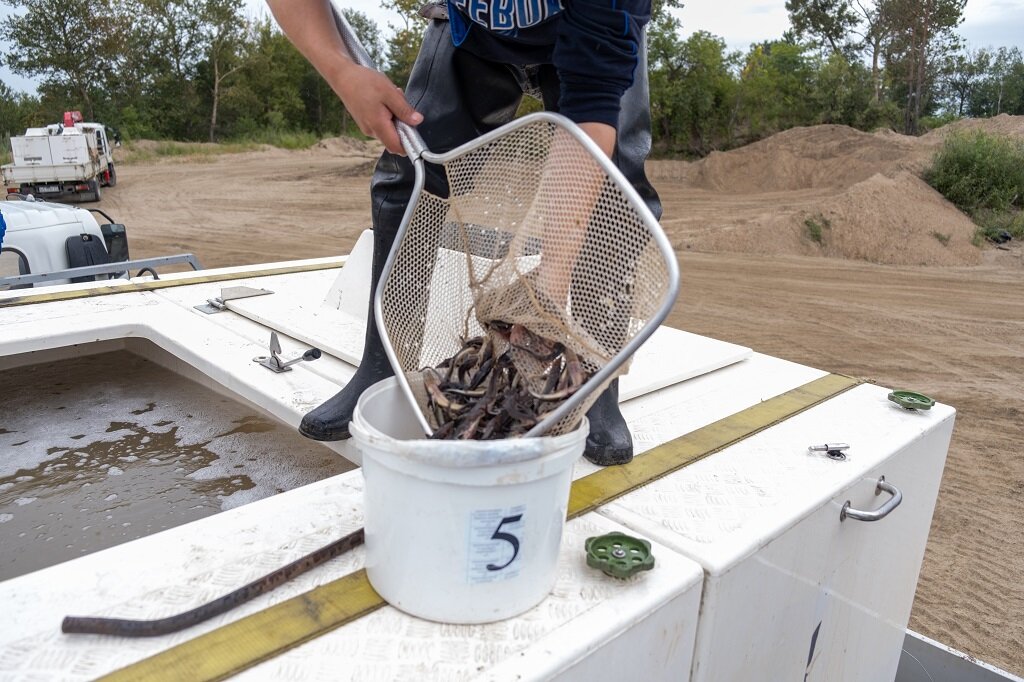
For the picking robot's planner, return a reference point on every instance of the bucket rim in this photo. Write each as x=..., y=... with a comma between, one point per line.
x=459, y=453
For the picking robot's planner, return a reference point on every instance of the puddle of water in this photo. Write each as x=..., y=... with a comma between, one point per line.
x=109, y=448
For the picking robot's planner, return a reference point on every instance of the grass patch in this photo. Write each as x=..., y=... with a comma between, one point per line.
x=941, y=238
x=999, y=226
x=284, y=139
x=816, y=228
x=145, y=151
x=202, y=148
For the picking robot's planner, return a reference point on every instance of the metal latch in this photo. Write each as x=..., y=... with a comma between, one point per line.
x=834, y=451
x=274, y=362
x=219, y=304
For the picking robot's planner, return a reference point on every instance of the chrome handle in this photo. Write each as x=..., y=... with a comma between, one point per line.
x=881, y=512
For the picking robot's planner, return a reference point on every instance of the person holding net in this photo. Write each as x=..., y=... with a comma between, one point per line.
x=585, y=59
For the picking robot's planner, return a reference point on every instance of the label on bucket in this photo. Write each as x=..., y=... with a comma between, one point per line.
x=495, y=544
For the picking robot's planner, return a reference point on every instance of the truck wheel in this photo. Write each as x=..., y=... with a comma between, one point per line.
x=94, y=190
x=111, y=175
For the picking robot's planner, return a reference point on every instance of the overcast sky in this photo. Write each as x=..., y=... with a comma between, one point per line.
x=987, y=23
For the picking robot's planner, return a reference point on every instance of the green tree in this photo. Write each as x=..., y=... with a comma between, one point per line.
x=368, y=33
x=843, y=93
x=404, y=43
x=962, y=73
x=268, y=91
x=692, y=91
x=74, y=46
x=921, y=34
x=222, y=45
x=1000, y=88
x=776, y=88
x=829, y=23
x=174, y=31
x=17, y=111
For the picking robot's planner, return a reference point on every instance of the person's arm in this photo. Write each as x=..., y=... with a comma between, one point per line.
x=596, y=55
x=601, y=133
x=369, y=96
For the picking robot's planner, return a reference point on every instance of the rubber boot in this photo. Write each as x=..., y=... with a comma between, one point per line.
x=609, y=441
x=330, y=420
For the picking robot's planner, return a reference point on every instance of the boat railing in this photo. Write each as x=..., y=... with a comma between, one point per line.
x=118, y=270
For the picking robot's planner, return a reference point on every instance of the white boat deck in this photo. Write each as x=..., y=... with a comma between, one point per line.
x=732, y=514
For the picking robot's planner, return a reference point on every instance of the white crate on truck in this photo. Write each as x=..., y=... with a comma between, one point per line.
x=71, y=147
x=31, y=150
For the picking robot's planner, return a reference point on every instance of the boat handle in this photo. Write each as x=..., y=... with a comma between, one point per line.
x=881, y=512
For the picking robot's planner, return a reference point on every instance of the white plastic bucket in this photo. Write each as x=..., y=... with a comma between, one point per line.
x=459, y=531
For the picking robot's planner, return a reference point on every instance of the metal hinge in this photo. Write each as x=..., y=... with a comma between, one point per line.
x=219, y=304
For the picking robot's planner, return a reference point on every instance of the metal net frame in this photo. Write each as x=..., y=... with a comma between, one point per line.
x=539, y=230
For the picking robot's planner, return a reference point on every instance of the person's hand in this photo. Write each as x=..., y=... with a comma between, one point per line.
x=374, y=101
x=369, y=96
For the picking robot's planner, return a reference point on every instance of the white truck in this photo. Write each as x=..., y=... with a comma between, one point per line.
x=72, y=159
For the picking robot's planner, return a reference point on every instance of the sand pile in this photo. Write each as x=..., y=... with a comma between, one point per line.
x=347, y=146
x=1003, y=124
x=824, y=190
x=803, y=158
x=896, y=220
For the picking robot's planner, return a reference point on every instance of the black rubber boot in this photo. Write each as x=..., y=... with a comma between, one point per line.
x=609, y=441
x=330, y=420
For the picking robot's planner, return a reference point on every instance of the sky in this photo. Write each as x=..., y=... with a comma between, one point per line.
x=987, y=23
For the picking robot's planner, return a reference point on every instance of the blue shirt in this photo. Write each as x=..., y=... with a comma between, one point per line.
x=593, y=44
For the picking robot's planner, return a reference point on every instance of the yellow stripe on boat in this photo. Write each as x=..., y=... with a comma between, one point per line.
x=199, y=278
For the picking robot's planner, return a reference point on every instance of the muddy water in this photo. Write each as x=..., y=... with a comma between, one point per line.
x=100, y=450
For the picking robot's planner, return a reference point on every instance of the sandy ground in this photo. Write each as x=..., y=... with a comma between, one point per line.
x=893, y=291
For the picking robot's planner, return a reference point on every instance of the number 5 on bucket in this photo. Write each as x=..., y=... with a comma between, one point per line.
x=495, y=544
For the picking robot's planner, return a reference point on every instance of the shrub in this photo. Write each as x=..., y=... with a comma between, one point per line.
x=978, y=171
x=816, y=228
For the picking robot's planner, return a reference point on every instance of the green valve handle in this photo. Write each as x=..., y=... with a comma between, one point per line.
x=911, y=401
x=619, y=555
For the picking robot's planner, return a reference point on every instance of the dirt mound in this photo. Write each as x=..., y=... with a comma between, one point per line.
x=1003, y=124
x=896, y=220
x=825, y=190
x=348, y=146
x=803, y=158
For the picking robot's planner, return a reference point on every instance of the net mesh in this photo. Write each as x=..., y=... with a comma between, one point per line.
x=534, y=233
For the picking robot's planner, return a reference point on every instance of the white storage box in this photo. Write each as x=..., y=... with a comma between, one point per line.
x=791, y=591
x=32, y=150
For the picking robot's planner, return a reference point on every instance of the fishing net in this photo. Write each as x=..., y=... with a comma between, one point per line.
x=538, y=251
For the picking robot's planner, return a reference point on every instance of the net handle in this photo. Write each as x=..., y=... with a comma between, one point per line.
x=411, y=141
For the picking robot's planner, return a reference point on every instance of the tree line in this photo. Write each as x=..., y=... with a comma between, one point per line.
x=203, y=70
